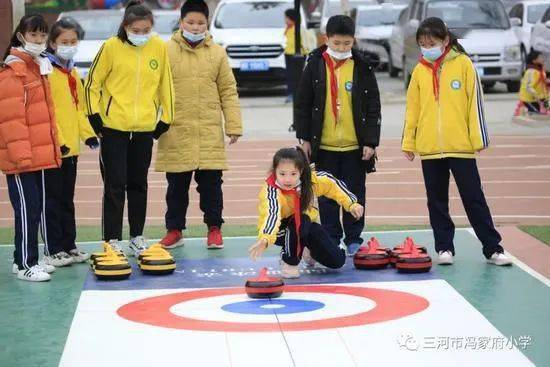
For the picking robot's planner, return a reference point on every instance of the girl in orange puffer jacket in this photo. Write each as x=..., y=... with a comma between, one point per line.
x=28, y=140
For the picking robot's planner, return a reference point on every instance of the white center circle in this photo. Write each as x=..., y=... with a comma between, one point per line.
x=271, y=306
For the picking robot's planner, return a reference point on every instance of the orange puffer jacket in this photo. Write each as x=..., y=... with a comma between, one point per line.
x=28, y=132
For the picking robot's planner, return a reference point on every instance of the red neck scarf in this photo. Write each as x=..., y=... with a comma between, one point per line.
x=72, y=83
x=333, y=83
x=540, y=69
x=434, y=67
x=271, y=181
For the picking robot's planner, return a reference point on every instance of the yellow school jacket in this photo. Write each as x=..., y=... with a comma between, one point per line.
x=532, y=89
x=129, y=85
x=454, y=125
x=274, y=206
x=72, y=124
x=290, y=43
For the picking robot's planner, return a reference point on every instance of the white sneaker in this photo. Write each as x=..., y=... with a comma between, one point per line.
x=498, y=258
x=58, y=260
x=115, y=245
x=47, y=268
x=289, y=271
x=79, y=256
x=445, y=258
x=34, y=274
x=306, y=257
x=14, y=269
x=138, y=245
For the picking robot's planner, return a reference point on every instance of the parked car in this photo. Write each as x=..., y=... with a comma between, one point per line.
x=99, y=25
x=483, y=29
x=334, y=7
x=373, y=27
x=252, y=33
x=523, y=17
x=396, y=42
x=540, y=37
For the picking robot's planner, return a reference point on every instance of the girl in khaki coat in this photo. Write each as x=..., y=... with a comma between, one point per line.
x=205, y=88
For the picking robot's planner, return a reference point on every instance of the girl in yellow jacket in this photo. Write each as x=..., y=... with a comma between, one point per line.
x=445, y=126
x=129, y=101
x=72, y=127
x=205, y=90
x=288, y=217
x=533, y=93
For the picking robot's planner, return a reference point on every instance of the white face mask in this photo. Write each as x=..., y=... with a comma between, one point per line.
x=138, y=39
x=66, y=52
x=338, y=55
x=193, y=37
x=34, y=49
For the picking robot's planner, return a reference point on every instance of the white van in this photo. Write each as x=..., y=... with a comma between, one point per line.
x=252, y=33
x=483, y=29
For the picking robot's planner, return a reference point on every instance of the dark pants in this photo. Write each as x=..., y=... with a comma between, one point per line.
x=209, y=187
x=66, y=205
x=125, y=159
x=313, y=236
x=436, y=178
x=50, y=223
x=533, y=107
x=28, y=196
x=350, y=169
x=290, y=75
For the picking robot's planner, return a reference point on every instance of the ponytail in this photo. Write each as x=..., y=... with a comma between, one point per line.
x=135, y=10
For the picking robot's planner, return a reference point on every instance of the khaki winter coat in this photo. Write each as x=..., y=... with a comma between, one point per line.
x=204, y=89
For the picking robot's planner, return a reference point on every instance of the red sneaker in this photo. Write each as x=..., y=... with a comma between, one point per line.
x=214, y=240
x=172, y=239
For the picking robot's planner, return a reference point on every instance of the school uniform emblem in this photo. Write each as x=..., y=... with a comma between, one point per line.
x=455, y=84
x=349, y=86
x=154, y=64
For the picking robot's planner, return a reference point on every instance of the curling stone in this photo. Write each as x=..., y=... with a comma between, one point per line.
x=156, y=260
x=405, y=248
x=413, y=262
x=372, y=256
x=106, y=246
x=264, y=286
x=111, y=266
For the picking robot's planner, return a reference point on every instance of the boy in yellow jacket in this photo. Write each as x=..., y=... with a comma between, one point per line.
x=205, y=91
x=534, y=92
x=130, y=102
x=445, y=125
x=288, y=216
x=72, y=128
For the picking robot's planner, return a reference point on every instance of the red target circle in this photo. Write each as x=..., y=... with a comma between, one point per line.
x=390, y=305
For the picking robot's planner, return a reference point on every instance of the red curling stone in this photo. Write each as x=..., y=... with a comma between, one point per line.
x=405, y=248
x=371, y=257
x=264, y=286
x=413, y=262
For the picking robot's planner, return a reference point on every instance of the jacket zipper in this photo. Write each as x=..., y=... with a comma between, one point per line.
x=137, y=90
x=440, y=137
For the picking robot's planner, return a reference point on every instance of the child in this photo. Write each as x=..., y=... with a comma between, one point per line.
x=534, y=91
x=205, y=89
x=128, y=88
x=289, y=218
x=291, y=17
x=28, y=140
x=72, y=126
x=338, y=120
x=445, y=125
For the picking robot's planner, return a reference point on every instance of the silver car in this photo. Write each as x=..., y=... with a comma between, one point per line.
x=540, y=37
x=483, y=29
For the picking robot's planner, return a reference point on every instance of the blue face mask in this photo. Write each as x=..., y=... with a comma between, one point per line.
x=192, y=37
x=432, y=53
x=138, y=39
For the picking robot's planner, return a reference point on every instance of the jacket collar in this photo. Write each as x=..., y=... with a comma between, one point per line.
x=56, y=61
x=178, y=38
x=20, y=61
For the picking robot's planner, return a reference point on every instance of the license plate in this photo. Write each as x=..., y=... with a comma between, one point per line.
x=480, y=71
x=254, y=66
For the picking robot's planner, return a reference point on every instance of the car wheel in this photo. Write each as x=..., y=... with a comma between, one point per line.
x=513, y=86
x=391, y=69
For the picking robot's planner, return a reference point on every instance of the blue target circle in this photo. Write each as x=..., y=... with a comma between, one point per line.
x=273, y=306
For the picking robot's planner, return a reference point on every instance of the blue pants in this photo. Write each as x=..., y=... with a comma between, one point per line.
x=350, y=169
x=436, y=178
x=33, y=208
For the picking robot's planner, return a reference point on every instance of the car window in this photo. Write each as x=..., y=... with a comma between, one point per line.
x=516, y=11
x=252, y=15
x=546, y=16
x=419, y=9
x=412, y=13
x=534, y=12
x=469, y=14
x=375, y=17
x=403, y=16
